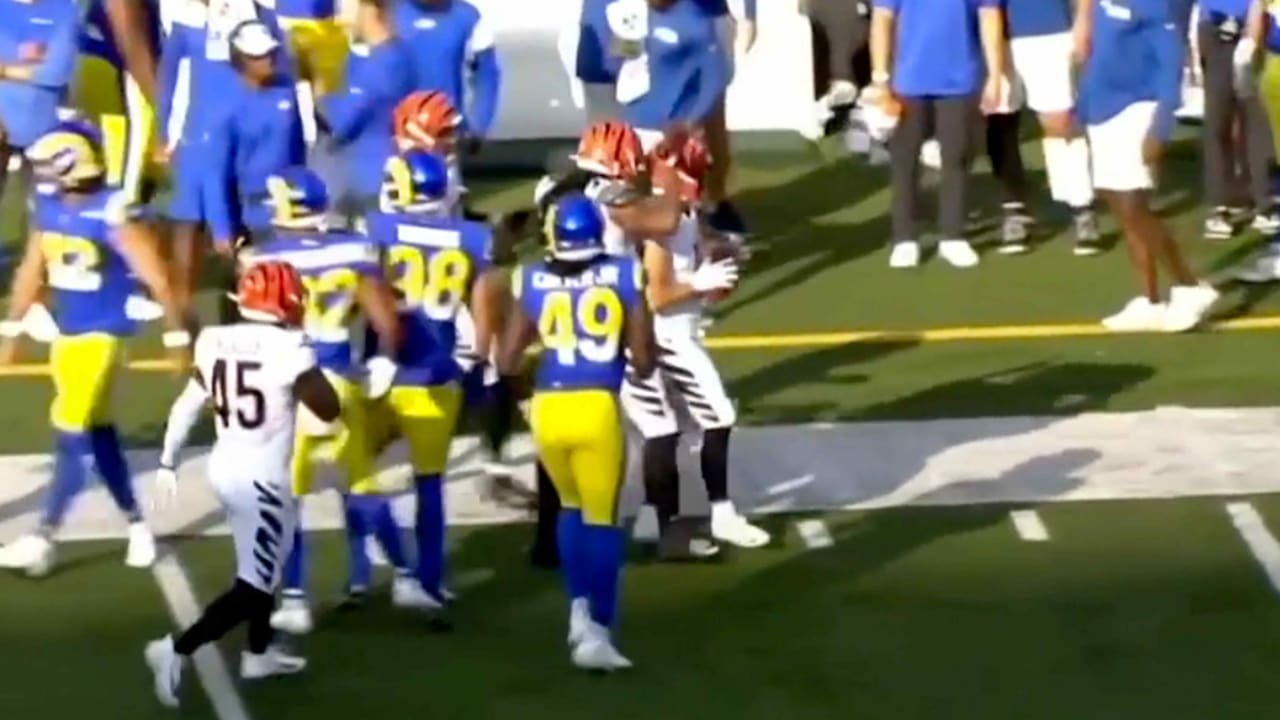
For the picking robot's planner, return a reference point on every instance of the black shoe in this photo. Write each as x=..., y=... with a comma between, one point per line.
x=545, y=556
x=725, y=218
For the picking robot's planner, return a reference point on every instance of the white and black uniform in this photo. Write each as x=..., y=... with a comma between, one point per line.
x=687, y=380
x=247, y=371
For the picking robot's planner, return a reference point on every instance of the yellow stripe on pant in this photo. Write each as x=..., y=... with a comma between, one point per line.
x=345, y=443
x=580, y=442
x=83, y=369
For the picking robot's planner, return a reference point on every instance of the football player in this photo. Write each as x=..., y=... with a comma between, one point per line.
x=254, y=373
x=681, y=281
x=86, y=246
x=426, y=120
x=588, y=310
x=437, y=265
x=343, y=279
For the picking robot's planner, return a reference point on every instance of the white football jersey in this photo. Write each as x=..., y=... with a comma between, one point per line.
x=248, y=371
x=682, y=319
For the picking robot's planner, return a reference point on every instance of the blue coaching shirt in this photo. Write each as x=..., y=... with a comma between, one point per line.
x=937, y=50
x=446, y=38
x=51, y=27
x=360, y=114
x=1136, y=55
x=688, y=71
x=1036, y=18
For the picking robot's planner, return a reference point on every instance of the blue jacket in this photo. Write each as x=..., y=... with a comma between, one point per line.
x=688, y=72
x=30, y=109
x=937, y=50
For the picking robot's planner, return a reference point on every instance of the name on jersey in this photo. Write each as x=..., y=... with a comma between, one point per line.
x=428, y=236
x=606, y=275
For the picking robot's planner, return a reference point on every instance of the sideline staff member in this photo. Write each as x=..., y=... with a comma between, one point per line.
x=933, y=56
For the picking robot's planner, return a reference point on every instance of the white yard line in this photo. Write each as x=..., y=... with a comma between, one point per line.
x=1262, y=544
x=814, y=534
x=1029, y=525
x=211, y=668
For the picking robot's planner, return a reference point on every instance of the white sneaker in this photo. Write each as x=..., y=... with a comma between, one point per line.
x=293, y=617
x=1267, y=223
x=958, y=252
x=728, y=525
x=905, y=254
x=841, y=93
x=645, y=528
x=270, y=663
x=33, y=553
x=1262, y=270
x=407, y=593
x=1188, y=306
x=1138, y=315
x=142, y=546
x=166, y=667
x=597, y=653
x=579, y=620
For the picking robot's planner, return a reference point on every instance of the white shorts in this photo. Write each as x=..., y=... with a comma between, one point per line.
x=1116, y=149
x=685, y=383
x=262, y=515
x=1043, y=66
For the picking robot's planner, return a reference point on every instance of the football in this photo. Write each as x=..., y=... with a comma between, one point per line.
x=715, y=247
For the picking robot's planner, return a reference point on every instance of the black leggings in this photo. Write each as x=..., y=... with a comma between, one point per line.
x=1005, y=154
x=841, y=29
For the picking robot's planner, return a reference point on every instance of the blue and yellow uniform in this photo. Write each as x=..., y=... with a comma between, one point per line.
x=332, y=266
x=106, y=93
x=316, y=39
x=431, y=263
x=90, y=281
x=575, y=415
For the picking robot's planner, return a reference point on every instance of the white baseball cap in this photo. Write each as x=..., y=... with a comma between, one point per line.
x=252, y=38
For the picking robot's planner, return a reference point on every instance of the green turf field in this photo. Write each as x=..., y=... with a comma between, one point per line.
x=1135, y=609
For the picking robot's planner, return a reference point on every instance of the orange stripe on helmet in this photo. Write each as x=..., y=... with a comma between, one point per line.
x=424, y=118
x=611, y=148
x=272, y=290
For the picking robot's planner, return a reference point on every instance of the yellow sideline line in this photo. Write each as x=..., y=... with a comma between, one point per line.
x=827, y=339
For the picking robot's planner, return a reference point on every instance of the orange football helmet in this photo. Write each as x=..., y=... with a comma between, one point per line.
x=690, y=159
x=426, y=120
x=272, y=291
x=612, y=149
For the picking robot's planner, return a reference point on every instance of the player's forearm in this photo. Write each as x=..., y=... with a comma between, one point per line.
x=183, y=416
x=126, y=21
x=486, y=303
x=991, y=30
x=668, y=294
x=1255, y=26
x=141, y=252
x=881, y=43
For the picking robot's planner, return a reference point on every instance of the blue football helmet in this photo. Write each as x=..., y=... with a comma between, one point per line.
x=298, y=199
x=415, y=181
x=70, y=155
x=574, y=228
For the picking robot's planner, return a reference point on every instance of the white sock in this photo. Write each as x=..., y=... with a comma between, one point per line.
x=1067, y=164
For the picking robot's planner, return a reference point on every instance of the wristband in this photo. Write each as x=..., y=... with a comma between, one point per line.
x=176, y=339
x=10, y=329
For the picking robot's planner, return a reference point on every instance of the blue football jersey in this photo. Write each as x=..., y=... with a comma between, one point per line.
x=332, y=266
x=580, y=320
x=89, y=277
x=430, y=264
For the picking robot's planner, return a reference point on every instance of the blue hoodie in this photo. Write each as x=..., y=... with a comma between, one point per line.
x=30, y=109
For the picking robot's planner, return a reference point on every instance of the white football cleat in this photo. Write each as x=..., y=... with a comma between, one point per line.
x=293, y=617
x=596, y=652
x=270, y=663
x=407, y=593
x=958, y=252
x=142, y=546
x=645, y=529
x=905, y=254
x=579, y=620
x=1138, y=315
x=33, y=553
x=1264, y=269
x=166, y=667
x=728, y=525
x=1189, y=305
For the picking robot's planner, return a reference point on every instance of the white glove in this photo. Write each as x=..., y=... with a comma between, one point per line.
x=1245, y=77
x=39, y=324
x=166, y=491
x=380, y=372
x=718, y=275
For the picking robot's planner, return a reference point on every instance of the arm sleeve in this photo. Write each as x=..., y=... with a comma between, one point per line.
x=182, y=417
x=486, y=78
x=1168, y=48
x=714, y=80
x=60, y=55
x=170, y=59
x=217, y=181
